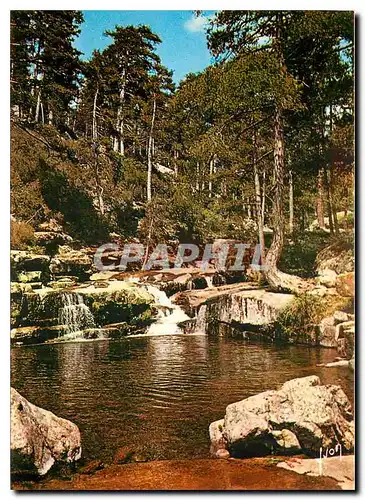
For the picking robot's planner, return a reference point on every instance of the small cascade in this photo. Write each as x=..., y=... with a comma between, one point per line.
x=169, y=314
x=74, y=313
x=201, y=321
x=209, y=280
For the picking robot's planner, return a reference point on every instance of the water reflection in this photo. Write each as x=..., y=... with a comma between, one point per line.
x=159, y=393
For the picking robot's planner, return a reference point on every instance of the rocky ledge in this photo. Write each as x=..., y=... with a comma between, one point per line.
x=301, y=417
x=244, y=307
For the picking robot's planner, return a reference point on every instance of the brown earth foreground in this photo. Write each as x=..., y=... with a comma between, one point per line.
x=202, y=474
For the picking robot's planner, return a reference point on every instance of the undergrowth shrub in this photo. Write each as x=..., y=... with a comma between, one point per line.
x=298, y=322
x=21, y=235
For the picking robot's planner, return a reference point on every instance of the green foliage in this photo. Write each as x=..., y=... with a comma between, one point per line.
x=45, y=66
x=298, y=321
x=76, y=205
x=300, y=253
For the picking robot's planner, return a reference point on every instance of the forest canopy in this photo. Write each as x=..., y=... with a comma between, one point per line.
x=262, y=138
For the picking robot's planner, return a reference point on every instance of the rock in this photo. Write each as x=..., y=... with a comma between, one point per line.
x=56, y=285
x=340, y=468
x=71, y=262
x=30, y=276
x=287, y=440
x=327, y=277
x=237, y=304
x=352, y=363
x=47, y=237
x=345, y=285
x=51, y=225
x=338, y=257
x=327, y=332
x=39, y=438
x=346, y=338
x=340, y=317
x=300, y=417
x=119, y=302
x=23, y=260
x=123, y=455
x=36, y=334
x=322, y=291
x=20, y=288
x=216, y=435
x=103, y=275
x=41, y=316
x=342, y=362
x=222, y=453
x=27, y=267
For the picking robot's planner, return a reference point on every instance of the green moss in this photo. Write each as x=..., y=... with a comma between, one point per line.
x=127, y=306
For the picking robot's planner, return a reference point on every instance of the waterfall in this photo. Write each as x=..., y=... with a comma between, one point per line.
x=169, y=314
x=209, y=280
x=74, y=313
x=201, y=321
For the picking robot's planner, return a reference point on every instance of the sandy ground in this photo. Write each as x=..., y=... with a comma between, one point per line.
x=205, y=474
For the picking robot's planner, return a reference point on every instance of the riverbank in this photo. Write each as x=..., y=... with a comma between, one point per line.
x=200, y=474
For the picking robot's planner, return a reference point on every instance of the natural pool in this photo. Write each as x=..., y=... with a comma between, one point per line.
x=158, y=394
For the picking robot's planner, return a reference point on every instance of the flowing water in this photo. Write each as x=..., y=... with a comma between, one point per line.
x=169, y=314
x=74, y=313
x=157, y=393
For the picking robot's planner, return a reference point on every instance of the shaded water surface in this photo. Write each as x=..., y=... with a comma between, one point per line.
x=157, y=393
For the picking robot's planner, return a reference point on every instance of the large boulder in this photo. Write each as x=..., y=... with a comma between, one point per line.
x=301, y=417
x=345, y=284
x=345, y=333
x=338, y=257
x=39, y=438
x=71, y=263
x=327, y=277
x=50, y=226
x=44, y=238
x=327, y=332
x=27, y=267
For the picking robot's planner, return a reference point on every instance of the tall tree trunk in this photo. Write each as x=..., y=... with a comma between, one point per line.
x=291, y=203
x=274, y=252
x=95, y=128
x=330, y=174
x=150, y=152
x=119, y=141
x=176, y=157
x=319, y=200
x=211, y=171
x=38, y=107
x=277, y=279
x=100, y=194
x=329, y=199
x=42, y=112
x=263, y=197
x=260, y=225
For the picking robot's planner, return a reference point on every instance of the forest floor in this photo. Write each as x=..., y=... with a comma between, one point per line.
x=208, y=474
